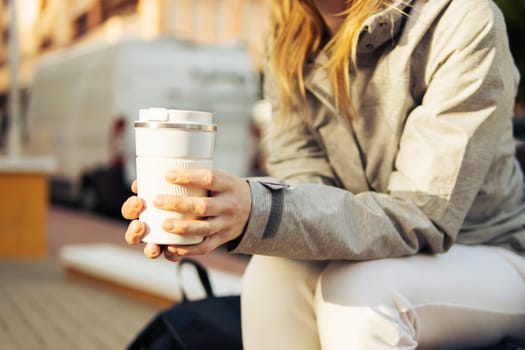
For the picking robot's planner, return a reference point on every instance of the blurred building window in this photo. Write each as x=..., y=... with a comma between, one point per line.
x=112, y=8
x=46, y=44
x=81, y=25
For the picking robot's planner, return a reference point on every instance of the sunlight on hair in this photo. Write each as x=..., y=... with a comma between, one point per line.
x=298, y=31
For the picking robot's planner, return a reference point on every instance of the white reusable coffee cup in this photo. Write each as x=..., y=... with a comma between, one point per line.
x=167, y=139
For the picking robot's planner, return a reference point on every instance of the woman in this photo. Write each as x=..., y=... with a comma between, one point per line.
x=399, y=221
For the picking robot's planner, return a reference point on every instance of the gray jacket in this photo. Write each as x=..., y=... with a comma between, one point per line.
x=427, y=161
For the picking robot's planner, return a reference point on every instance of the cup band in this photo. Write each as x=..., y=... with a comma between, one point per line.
x=182, y=126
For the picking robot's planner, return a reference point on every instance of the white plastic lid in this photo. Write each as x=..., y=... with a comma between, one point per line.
x=174, y=115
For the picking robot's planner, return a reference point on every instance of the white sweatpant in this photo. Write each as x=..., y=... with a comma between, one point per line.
x=467, y=297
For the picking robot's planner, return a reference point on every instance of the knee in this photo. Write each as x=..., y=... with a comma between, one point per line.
x=364, y=327
x=360, y=305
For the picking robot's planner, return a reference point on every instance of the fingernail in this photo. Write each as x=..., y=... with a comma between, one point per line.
x=182, y=252
x=152, y=251
x=136, y=227
x=167, y=225
x=159, y=201
x=171, y=175
x=136, y=203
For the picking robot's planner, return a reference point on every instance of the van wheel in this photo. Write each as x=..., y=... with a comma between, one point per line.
x=89, y=199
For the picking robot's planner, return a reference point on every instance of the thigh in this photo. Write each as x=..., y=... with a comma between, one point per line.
x=467, y=296
x=277, y=304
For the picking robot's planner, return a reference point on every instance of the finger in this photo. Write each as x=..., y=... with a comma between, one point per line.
x=134, y=187
x=171, y=253
x=212, y=180
x=196, y=206
x=134, y=232
x=152, y=250
x=193, y=227
x=131, y=208
x=210, y=243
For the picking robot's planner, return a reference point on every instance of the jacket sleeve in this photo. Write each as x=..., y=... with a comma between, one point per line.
x=448, y=145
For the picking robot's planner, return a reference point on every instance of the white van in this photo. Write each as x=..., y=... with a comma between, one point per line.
x=83, y=102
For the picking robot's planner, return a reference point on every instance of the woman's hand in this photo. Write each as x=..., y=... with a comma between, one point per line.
x=220, y=218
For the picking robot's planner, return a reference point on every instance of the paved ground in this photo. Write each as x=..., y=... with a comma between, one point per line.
x=40, y=308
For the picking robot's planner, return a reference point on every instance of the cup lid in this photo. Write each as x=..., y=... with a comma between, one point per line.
x=174, y=118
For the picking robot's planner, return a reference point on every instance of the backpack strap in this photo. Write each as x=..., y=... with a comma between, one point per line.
x=203, y=277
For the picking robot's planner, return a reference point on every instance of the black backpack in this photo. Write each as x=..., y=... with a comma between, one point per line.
x=209, y=323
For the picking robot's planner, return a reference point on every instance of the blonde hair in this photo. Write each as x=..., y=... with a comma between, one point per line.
x=298, y=30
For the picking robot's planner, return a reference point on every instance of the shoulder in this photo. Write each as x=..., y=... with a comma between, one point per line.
x=472, y=15
x=455, y=24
